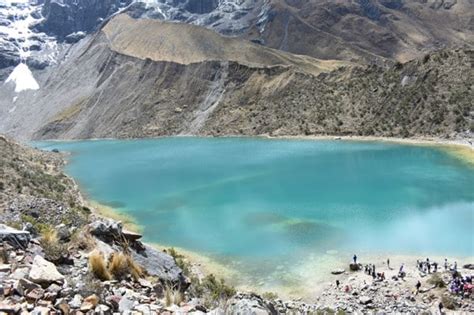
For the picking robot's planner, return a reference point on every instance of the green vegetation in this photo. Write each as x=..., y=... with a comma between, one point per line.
x=437, y=281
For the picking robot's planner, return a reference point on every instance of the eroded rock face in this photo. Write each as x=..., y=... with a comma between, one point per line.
x=65, y=17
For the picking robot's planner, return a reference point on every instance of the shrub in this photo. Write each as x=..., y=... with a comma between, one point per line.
x=448, y=302
x=118, y=266
x=437, y=281
x=270, y=296
x=53, y=249
x=217, y=289
x=180, y=261
x=98, y=266
x=3, y=255
x=82, y=240
x=173, y=296
x=122, y=265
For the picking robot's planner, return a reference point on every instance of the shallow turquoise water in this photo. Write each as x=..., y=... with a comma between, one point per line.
x=278, y=200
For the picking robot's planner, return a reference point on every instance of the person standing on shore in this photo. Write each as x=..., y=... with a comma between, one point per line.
x=388, y=263
x=418, y=286
x=445, y=264
x=355, y=259
x=337, y=284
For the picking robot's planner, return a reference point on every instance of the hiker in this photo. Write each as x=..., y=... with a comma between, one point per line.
x=388, y=263
x=337, y=284
x=373, y=269
x=455, y=266
x=446, y=264
x=435, y=266
x=355, y=259
x=418, y=286
x=440, y=307
x=429, y=267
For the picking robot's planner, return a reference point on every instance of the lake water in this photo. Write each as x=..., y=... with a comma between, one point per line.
x=264, y=206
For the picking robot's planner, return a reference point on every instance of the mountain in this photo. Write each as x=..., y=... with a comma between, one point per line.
x=39, y=32
x=144, y=78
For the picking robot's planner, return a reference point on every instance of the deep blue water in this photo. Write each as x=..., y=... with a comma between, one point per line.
x=274, y=199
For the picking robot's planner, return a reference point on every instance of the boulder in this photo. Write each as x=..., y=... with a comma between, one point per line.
x=355, y=267
x=338, y=271
x=161, y=265
x=64, y=234
x=131, y=236
x=44, y=272
x=249, y=304
x=16, y=238
x=106, y=230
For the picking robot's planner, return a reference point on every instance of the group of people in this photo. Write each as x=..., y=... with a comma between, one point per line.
x=461, y=285
x=427, y=266
x=370, y=270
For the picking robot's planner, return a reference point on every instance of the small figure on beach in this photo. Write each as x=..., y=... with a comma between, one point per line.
x=337, y=284
x=355, y=259
x=440, y=307
x=388, y=263
x=435, y=266
x=418, y=286
x=401, y=272
x=455, y=266
x=446, y=264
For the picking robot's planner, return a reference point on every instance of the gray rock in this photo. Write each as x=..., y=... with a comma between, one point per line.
x=161, y=265
x=63, y=233
x=76, y=302
x=44, y=272
x=365, y=300
x=14, y=237
x=126, y=304
x=106, y=230
x=338, y=271
x=249, y=304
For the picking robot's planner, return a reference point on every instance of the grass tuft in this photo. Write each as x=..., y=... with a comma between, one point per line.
x=98, y=266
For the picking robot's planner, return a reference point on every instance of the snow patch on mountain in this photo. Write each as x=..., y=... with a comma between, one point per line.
x=23, y=79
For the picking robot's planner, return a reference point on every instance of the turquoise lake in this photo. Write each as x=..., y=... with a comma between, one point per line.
x=271, y=203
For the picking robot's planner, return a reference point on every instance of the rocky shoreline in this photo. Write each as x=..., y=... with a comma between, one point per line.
x=58, y=257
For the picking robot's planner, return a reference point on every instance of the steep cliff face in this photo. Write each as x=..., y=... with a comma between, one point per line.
x=110, y=87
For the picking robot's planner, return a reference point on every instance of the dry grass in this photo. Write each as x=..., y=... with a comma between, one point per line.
x=53, y=249
x=3, y=255
x=122, y=265
x=173, y=296
x=98, y=266
x=82, y=240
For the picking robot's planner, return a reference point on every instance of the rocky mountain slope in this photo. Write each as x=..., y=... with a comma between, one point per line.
x=39, y=31
x=138, y=80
